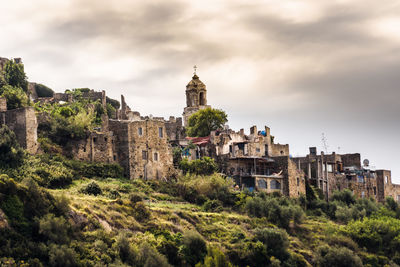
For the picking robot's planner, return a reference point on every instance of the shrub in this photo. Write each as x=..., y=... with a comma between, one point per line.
x=338, y=257
x=345, y=196
x=141, y=212
x=203, y=166
x=15, y=96
x=213, y=205
x=216, y=258
x=376, y=234
x=54, y=229
x=43, y=90
x=11, y=154
x=62, y=256
x=279, y=211
x=135, y=197
x=13, y=207
x=194, y=248
x=275, y=240
x=92, y=189
x=150, y=257
x=126, y=253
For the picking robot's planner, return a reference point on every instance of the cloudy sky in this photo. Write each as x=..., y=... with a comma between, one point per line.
x=301, y=67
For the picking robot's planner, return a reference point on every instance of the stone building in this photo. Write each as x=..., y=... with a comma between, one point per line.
x=331, y=172
x=196, y=98
x=142, y=148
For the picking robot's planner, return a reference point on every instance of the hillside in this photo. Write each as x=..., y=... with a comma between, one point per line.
x=94, y=217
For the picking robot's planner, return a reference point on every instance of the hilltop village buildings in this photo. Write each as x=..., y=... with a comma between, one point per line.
x=143, y=145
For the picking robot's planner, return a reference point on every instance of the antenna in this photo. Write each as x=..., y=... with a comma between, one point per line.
x=324, y=141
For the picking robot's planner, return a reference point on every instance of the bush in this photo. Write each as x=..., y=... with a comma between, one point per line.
x=54, y=229
x=11, y=154
x=197, y=189
x=62, y=256
x=279, y=211
x=338, y=257
x=141, y=212
x=215, y=258
x=43, y=90
x=15, y=96
x=150, y=257
x=213, y=205
x=275, y=240
x=92, y=189
x=135, y=197
x=194, y=248
x=203, y=166
x=376, y=234
x=345, y=196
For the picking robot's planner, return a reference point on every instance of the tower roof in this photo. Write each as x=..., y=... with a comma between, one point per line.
x=195, y=83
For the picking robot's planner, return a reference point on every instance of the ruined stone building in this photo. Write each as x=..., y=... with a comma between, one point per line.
x=142, y=145
x=330, y=172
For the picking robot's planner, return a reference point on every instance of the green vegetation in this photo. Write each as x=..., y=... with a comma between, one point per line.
x=15, y=76
x=43, y=90
x=197, y=220
x=206, y=120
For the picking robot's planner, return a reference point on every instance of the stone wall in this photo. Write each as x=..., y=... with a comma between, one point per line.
x=294, y=183
x=98, y=147
x=174, y=129
x=3, y=62
x=385, y=186
x=24, y=124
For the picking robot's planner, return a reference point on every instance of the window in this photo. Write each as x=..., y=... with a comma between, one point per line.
x=360, y=178
x=94, y=139
x=140, y=131
x=375, y=190
x=386, y=179
x=160, y=132
x=298, y=181
x=398, y=198
x=258, y=150
x=282, y=152
x=144, y=154
x=261, y=184
x=84, y=149
x=155, y=156
x=362, y=194
x=330, y=169
x=275, y=184
x=266, y=150
x=105, y=139
x=115, y=157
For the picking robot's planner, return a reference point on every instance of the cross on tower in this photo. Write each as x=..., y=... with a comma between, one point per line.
x=195, y=68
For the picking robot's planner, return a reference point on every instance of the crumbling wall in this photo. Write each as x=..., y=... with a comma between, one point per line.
x=174, y=129
x=24, y=124
x=350, y=160
x=3, y=104
x=294, y=179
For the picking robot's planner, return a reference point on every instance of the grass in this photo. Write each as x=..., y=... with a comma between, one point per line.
x=223, y=229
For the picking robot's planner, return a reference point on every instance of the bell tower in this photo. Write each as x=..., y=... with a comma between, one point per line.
x=196, y=97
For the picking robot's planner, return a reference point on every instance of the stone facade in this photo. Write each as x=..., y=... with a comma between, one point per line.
x=386, y=187
x=142, y=147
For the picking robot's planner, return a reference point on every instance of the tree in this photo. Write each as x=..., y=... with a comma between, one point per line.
x=15, y=96
x=11, y=154
x=204, y=121
x=43, y=90
x=14, y=75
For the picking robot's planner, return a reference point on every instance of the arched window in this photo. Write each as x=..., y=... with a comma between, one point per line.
x=202, y=99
